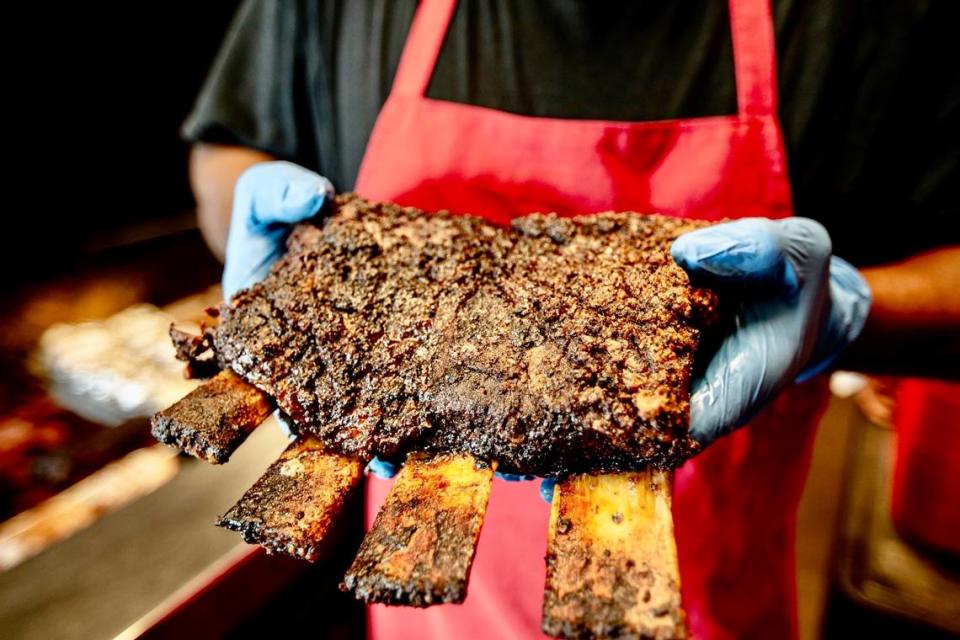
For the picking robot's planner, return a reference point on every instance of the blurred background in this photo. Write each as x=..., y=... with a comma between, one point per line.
x=103, y=533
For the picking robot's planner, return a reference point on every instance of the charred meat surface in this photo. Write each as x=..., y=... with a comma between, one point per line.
x=295, y=504
x=560, y=345
x=214, y=419
x=421, y=546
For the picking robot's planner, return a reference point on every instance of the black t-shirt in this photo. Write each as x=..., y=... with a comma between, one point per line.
x=869, y=90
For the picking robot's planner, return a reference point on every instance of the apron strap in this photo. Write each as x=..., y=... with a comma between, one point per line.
x=422, y=49
x=754, y=57
x=751, y=27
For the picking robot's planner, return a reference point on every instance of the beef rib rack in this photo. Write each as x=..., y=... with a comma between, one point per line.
x=560, y=347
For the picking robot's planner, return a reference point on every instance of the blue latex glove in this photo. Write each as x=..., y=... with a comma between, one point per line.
x=797, y=308
x=546, y=489
x=383, y=468
x=269, y=199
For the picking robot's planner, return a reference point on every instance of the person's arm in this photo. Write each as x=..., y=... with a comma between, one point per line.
x=914, y=322
x=246, y=112
x=214, y=170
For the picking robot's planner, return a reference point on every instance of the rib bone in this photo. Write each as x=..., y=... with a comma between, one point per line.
x=214, y=419
x=612, y=560
x=295, y=504
x=422, y=543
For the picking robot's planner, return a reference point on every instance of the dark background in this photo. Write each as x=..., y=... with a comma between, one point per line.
x=98, y=92
x=95, y=209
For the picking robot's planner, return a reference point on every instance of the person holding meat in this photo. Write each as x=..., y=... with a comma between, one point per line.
x=818, y=126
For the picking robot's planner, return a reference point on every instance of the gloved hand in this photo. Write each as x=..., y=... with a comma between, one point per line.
x=797, y=308
x=269, y=199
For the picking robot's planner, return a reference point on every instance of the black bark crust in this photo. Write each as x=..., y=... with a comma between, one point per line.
x=559, y=345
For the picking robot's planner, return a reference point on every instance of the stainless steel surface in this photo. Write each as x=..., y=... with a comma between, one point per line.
x=104, y=579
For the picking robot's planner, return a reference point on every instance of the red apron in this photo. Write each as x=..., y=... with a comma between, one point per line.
x=735, y=504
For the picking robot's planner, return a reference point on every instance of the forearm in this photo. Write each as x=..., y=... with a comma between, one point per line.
x=214, y=170
x=914, y=322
